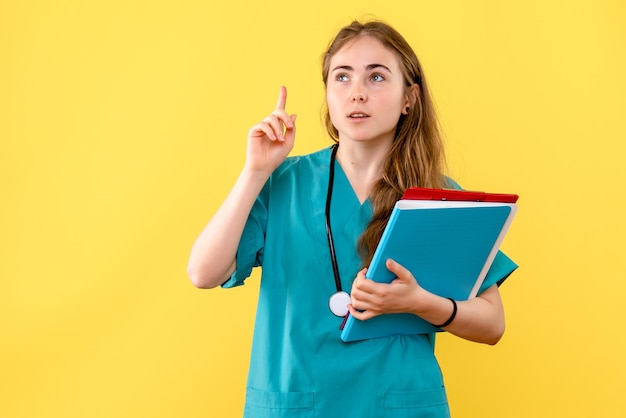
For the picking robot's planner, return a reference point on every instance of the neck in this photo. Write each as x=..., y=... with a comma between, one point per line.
x=363, y=165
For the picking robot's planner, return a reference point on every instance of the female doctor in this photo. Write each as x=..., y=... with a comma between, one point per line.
x=312, y=222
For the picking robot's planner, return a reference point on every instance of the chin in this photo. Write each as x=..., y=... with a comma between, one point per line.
x=364, y=136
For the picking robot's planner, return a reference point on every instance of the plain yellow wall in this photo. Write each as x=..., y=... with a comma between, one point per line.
x=123, y=125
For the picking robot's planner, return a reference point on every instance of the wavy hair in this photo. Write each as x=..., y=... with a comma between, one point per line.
x=416, y=157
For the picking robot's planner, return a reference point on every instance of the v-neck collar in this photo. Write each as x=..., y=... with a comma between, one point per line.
x=345, y=183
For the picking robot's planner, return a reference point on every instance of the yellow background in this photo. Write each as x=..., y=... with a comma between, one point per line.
x=123, y=125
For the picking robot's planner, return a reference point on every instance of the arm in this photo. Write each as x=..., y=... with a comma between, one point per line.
x=480, y=319
x=213, y=255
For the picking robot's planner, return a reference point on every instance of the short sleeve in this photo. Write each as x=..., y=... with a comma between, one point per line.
x=252, y=243
x=502, y=266
x=451, y=184
x=500, y=270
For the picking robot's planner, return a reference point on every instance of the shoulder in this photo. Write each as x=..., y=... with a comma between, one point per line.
x=303, y=164
x=451, y=183
x=298, y=177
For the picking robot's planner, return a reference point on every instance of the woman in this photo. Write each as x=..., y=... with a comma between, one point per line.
x=380, y=115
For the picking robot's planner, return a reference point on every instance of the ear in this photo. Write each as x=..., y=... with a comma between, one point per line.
x=412, y=95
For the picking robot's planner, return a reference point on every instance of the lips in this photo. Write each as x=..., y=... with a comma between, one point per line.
x=358, y=115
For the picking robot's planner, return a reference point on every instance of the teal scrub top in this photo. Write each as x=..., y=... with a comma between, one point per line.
x=299, y=367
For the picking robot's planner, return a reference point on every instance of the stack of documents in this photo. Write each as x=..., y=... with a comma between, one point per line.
x=447, y=239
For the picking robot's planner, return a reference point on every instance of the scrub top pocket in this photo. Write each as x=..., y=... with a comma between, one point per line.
x=417, y=404
x=261, y=404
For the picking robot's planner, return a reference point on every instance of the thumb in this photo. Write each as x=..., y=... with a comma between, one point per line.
x=399, y=270
x=290, y=133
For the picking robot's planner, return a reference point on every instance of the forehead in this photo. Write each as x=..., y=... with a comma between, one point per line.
x=362, y=51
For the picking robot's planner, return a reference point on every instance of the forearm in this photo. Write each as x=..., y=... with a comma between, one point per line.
x=213, y=255
x=480, y=319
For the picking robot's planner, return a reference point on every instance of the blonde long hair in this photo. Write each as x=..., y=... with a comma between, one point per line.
x=416, y=158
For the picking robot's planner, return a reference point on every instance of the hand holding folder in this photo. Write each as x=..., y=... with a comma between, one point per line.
x=447, y=239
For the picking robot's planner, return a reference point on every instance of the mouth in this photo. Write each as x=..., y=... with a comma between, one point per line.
x=358, y=115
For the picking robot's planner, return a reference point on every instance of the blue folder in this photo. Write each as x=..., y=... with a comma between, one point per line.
x=447, y=245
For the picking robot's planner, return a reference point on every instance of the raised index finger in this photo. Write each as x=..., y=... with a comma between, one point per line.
x=282, y=98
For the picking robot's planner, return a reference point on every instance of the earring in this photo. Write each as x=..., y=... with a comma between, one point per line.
x=406, y=109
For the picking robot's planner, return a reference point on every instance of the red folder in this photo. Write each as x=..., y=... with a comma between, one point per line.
x=419, y=193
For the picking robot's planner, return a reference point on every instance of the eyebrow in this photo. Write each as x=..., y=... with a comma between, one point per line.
x=369, y=67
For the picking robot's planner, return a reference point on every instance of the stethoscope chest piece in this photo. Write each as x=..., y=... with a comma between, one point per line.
x=338, y=303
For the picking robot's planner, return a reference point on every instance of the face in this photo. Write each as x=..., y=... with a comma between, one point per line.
x=365, y=91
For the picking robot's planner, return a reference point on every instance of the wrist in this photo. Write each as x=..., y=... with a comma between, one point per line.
x=451, y=317
x=439, y=311
x=424, y=303
x=252, y=174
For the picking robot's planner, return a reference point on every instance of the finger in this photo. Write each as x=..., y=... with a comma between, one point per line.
x=280, y=108
x=282, y=98
x=362, y=299
x=264, y=128
x=357, y=283
x=397, y=268
x=284, y=117
x=367, y=286
x=361, y=315
x=277, y=124
x=290, y=132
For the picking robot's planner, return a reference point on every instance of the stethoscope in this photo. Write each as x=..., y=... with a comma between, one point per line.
x=338, y=302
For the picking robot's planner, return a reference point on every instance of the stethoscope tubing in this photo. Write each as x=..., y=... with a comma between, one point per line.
x=329, y=231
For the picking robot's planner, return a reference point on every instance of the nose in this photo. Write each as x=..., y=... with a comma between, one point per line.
x=359, y=96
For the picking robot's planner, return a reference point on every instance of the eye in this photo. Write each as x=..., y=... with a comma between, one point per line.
x=342, y=77
x=377, y=77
